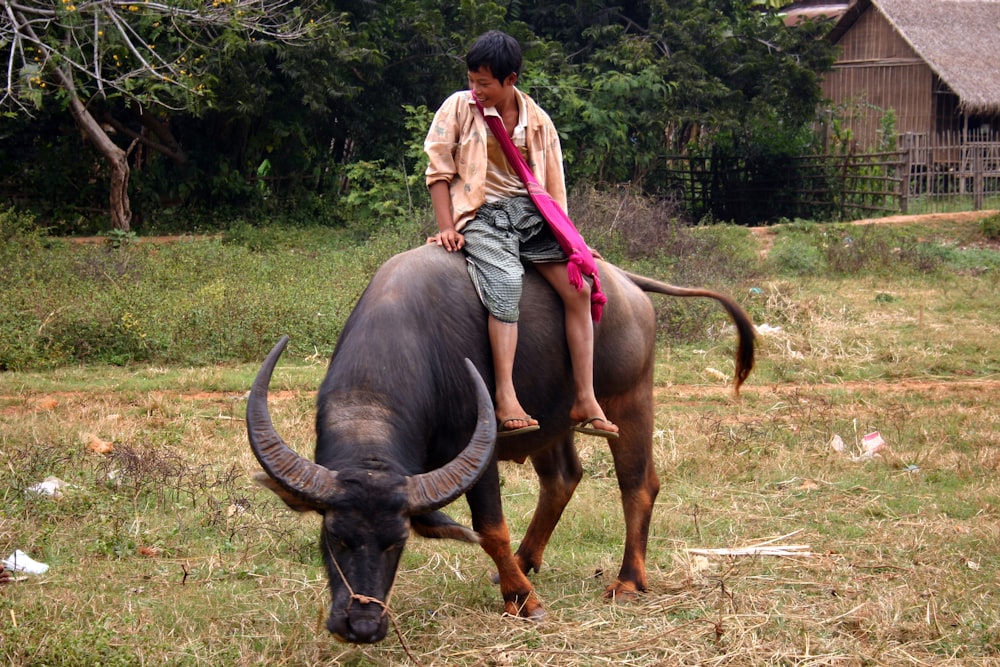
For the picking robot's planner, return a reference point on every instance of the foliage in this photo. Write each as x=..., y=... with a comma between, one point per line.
x=737, y=68
x=145, y=53
x=381, y=195
x=991, y=227
x=609, y=112
x=623, y=83
x=99, y=61
x=747, y=93
x=16, y=229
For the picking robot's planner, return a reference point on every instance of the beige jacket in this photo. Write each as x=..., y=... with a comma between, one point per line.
x=456, y=147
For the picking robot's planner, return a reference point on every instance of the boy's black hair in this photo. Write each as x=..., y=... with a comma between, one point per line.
x=496, y=50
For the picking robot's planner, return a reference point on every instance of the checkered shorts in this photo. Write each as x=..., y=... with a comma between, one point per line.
x=497, y=240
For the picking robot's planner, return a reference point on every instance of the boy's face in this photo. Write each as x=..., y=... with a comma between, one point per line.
x=488, y=90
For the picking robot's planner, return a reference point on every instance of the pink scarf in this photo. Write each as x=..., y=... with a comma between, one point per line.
x=581, y=260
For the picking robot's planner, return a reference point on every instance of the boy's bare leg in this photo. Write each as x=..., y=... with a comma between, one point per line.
x=503, y=340
x=580, y=339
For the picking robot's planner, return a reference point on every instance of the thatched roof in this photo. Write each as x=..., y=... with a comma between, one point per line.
x=956, y=38
x=813, y=9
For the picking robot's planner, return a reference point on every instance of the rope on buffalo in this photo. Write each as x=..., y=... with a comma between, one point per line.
x=365, y=599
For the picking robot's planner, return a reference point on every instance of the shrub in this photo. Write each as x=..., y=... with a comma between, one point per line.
x=647, y=235
x=796, y=251
x=626, y=227
x=803, y=248
x=991, y=227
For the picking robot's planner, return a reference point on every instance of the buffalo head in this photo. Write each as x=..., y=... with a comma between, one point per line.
x=367, y=505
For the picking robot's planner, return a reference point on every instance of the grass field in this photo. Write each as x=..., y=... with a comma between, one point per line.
x=768, y=545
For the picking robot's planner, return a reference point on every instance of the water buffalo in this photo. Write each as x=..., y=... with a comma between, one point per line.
x=405, y=425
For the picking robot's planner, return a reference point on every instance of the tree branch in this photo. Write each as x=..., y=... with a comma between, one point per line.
x=56, y=35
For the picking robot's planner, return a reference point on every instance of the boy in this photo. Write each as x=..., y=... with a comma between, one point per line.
x=482, y=207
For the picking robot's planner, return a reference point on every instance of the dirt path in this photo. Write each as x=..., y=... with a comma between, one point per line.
x=990, y=387
x=964, y=216
x=15, y=405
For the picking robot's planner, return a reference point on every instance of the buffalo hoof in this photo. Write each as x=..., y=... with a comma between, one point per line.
x=622, y=591
x=530, y=609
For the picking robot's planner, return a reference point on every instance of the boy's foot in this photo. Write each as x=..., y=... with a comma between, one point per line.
x=597, y=426
x=516, y=426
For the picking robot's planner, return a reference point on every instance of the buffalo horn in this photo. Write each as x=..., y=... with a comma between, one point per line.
x=435, y=489
x=309, y=481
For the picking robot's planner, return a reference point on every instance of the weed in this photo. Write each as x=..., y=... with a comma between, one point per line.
x=120, y=238
x=797, y=257
x=990, y=227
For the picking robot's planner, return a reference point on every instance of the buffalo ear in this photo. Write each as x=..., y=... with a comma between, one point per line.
x=438, y=525
x=293, y=501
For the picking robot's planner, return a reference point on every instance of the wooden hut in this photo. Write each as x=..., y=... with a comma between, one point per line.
x=934, y=63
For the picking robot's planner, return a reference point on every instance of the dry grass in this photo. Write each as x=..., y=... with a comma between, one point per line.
x=901, y=565
x=164, y=553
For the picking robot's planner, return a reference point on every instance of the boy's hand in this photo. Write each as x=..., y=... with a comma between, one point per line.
x=450, y=240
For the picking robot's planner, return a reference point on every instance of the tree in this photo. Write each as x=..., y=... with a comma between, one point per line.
x=632, y=81
x=609, y=110
x=626, y=82
x=86, y=55
x=738, y=68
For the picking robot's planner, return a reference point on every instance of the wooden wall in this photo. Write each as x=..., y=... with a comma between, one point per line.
x=875, y=71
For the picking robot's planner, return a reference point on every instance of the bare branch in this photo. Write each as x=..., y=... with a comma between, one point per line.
x=98, y=77
x=85, y=36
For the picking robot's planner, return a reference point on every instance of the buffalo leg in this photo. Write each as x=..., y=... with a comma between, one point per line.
x=559, y=471
x=639, y=485
x=488, y=521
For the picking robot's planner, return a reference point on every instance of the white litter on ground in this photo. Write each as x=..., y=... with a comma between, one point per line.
x=50, y=486
x=765, y=329
x=761, y=548
x=22, y=562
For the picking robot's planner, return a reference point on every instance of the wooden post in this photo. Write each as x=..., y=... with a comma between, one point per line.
x=904, y=186
x=977, y=176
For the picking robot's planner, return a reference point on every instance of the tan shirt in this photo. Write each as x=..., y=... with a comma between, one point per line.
x=502, y=180
x=456, y=148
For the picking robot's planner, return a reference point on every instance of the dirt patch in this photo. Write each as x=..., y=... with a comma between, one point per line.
x=927, y=387
x=964, y=216
x=13, y=405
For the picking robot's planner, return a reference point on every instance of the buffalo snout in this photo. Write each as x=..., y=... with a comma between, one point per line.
x=360, y=623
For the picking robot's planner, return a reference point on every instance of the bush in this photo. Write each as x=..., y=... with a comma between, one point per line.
x=804, y=248
x=619, y=222
x=627, y=227
x=991, y=227
x=646, y=235
x=796, y=251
